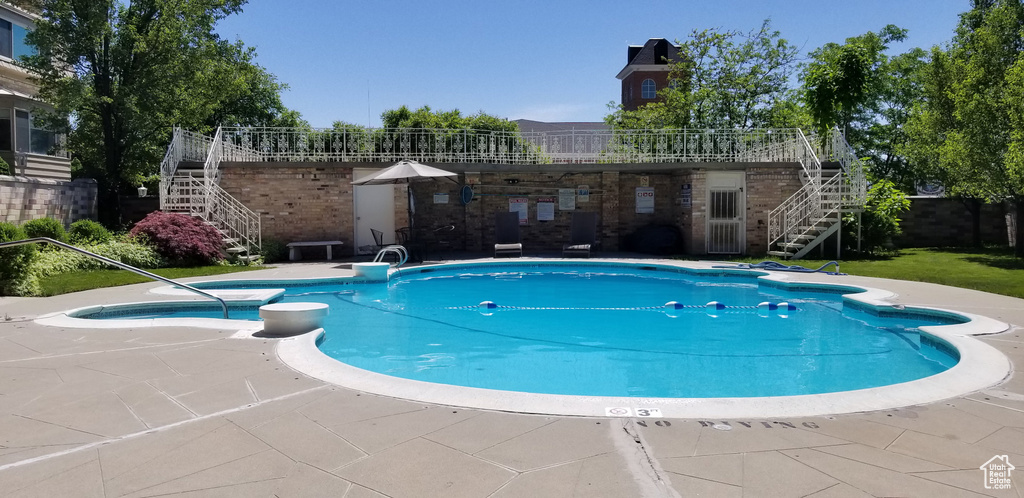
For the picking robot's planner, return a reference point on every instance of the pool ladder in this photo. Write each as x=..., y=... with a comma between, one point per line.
x=400, y=251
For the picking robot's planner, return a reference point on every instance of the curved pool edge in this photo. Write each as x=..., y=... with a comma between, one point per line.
x=981, y=367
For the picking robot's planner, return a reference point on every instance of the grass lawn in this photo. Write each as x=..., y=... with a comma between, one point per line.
x=79, y=281
x=993, y=270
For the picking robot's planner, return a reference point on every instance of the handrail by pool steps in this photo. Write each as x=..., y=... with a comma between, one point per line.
x=144, y=273
x=400, y=251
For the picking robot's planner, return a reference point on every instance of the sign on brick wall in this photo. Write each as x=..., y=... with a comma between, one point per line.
x=645, y=200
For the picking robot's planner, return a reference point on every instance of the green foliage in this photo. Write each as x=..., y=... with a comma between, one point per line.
x=16, y=278
x=880, y=221
x=5, y=169
x=95, y=279
x=726, y=79
x=181, y=239
x=45, y=227
x=424, y=117
x=273, y=251
x=88, y=232
x=129, y=252
x=868, y=94
x=968, y=129
x=127, y=71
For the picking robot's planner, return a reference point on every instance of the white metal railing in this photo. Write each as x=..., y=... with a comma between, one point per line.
x=797, y=219
x=473, y=146
x=214, y=205
x=833, y=147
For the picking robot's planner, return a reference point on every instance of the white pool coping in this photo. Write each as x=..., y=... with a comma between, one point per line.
x=980, y=367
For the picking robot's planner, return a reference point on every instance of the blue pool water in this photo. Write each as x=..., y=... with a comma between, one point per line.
x=604, y=331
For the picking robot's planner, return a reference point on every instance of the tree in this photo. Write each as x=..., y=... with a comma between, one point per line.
x=857, y=87
x=120, y=73
x=972, y=117
x=424, y=117
x=726, y=79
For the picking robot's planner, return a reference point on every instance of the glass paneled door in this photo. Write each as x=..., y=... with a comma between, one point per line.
x=726, y=217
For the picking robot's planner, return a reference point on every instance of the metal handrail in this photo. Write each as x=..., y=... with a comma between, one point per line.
x=401, y=251
x=118, y=264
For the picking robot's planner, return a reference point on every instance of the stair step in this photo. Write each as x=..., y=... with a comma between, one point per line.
x=791, y=245
x=235, y=250
x=781, y=254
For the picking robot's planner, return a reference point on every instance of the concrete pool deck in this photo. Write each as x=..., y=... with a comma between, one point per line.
x=179, y=411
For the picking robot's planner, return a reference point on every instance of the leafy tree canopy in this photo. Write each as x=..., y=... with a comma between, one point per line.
x=424, y=117
x=969, y=129
x=121, y=73
x=727, y=79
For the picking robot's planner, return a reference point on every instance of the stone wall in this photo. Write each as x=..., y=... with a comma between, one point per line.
x=305, y=202
x=945, y=222
x=23, y=199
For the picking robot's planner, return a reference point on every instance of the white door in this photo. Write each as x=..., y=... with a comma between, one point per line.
x=374, y=207
x=726, y=215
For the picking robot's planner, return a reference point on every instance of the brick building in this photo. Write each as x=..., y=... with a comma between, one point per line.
x=647, y=71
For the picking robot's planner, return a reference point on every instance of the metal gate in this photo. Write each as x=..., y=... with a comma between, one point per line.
x=726, y=213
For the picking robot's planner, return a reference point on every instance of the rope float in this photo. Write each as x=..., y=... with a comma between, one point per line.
x=671, y=308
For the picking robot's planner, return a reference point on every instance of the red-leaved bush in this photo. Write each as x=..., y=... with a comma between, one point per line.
x=180, y=238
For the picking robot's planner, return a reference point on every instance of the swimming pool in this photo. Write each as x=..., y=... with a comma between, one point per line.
x=602, y=333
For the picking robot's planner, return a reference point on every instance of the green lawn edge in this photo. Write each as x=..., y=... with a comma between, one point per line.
x=95, y=279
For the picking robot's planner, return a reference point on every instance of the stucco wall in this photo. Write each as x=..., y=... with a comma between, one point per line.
x=23, y=199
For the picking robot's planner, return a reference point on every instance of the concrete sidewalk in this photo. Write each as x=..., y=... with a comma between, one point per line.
x=176, y=411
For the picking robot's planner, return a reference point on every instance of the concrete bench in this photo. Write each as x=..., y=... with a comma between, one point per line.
x=295, y=255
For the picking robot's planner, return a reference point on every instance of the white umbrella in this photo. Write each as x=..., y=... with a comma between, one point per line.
x=406, y=171
x=403, y=172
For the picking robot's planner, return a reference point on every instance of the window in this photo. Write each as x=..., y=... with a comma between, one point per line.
x=5, y=129
x=6, y=41
x=43, y=140
x=648, y=89
x=12, y=40
x=22, y=131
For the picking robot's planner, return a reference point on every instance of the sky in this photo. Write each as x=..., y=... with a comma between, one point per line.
x=551, y=60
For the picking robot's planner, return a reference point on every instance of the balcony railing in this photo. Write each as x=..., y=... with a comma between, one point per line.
x=501, y=147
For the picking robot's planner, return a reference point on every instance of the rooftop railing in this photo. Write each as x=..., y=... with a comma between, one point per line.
x=252, y=144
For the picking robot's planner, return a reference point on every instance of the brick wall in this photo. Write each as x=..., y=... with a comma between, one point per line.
x=937, y=222
x=305, y=202
x=767, y=187
x=296, y=202
x=23, y=199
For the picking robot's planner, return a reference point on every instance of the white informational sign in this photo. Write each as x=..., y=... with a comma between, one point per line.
x=546, y=209
x=441, y=198
x=686, y=196
x=645, y=200
x=583, y=193
x=520, y=205
x=566, y=199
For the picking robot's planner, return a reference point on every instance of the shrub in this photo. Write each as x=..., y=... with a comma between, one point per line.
x=16, y=278
x=129, y=252
x=273, y=251
x=880, y=220
x=45, y=227
x=4, y=168
x=181, y=239
x=88, y=232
